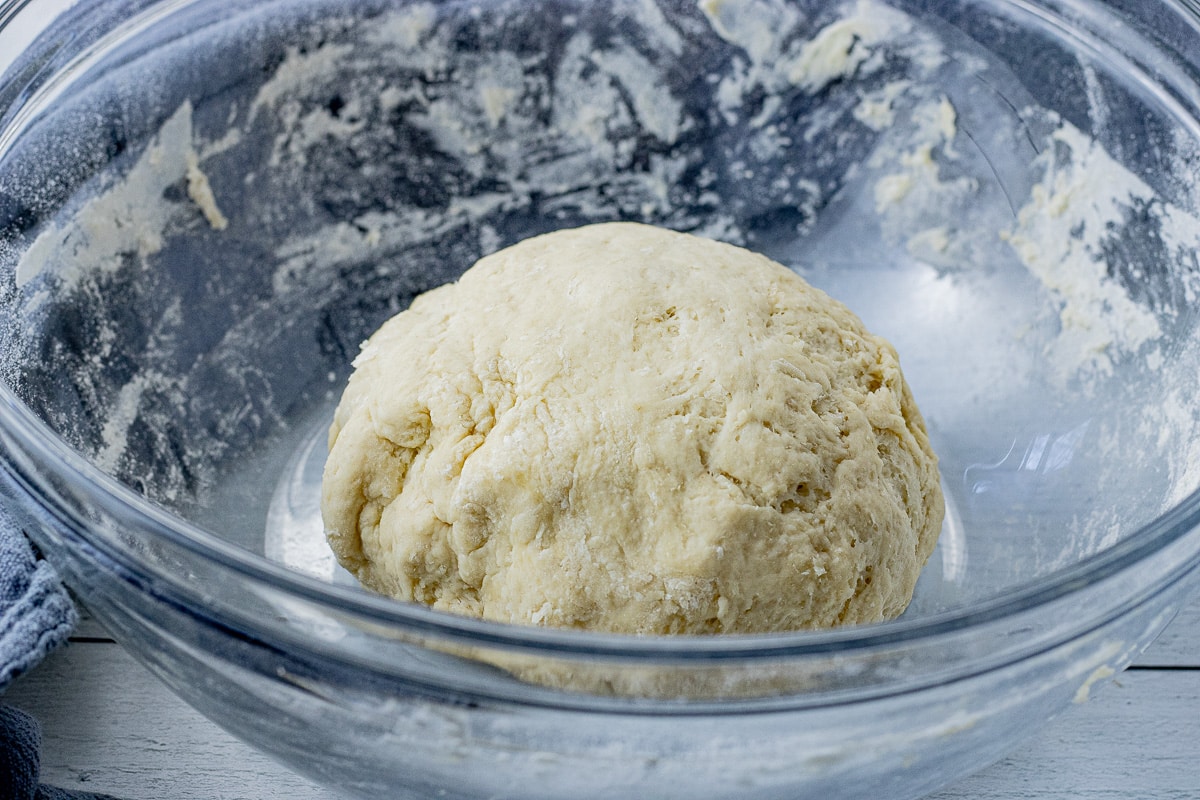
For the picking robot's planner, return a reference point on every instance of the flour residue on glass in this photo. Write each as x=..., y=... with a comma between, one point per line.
x=129, y=218
x=1081, y=199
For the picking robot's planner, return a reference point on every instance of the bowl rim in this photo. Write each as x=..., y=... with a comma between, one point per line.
x=129, y=508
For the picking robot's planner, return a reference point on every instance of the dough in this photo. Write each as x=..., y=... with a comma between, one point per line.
x=626, y=429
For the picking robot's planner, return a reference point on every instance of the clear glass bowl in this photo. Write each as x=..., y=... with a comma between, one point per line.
x=206, y=206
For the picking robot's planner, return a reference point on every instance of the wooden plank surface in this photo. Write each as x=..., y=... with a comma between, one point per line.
x=1136, y=740
x=110, y=727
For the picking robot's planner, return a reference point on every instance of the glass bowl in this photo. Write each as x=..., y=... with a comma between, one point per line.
x=206, y=206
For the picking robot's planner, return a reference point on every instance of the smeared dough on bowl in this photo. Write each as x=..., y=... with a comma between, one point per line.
x=626, y=429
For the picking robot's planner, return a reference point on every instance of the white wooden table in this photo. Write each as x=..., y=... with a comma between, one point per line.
x=111, y=727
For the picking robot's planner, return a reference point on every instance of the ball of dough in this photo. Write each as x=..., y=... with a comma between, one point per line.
x=621, y=428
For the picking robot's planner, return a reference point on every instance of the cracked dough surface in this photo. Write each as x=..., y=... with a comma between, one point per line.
x=626, y=429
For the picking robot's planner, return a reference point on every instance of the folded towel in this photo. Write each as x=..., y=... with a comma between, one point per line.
x=36, y=615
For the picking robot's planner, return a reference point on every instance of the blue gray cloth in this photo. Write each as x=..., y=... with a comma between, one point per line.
x=20, y=746
x=36, y=615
